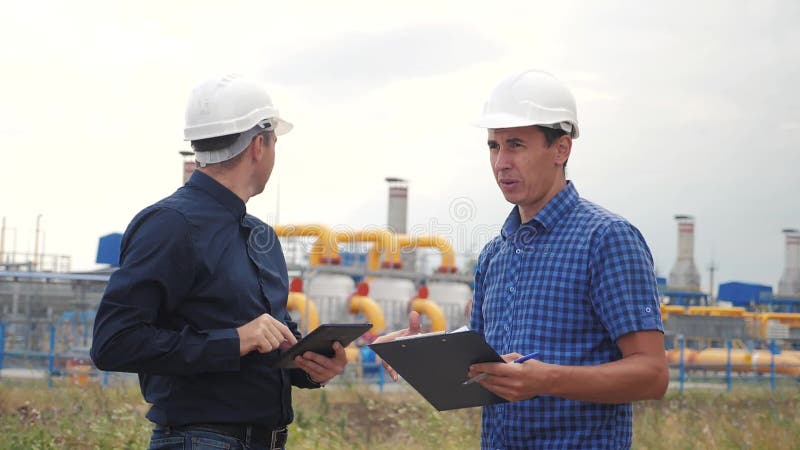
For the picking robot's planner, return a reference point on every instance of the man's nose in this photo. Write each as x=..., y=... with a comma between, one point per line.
x=503, y=162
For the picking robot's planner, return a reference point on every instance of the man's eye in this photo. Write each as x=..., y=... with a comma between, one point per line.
x=494, y=146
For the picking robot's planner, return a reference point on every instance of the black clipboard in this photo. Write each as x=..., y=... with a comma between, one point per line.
x=436, y=366
x=320, y=340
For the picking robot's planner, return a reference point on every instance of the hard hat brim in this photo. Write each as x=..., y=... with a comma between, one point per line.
x=281, y=126
x=496, y=121
x=501, y=120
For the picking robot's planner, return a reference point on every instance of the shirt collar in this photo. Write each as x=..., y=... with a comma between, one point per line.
x=548, y=216
x=218, y=192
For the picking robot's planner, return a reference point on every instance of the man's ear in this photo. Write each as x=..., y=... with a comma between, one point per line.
x=255, y=148
x=563, y=149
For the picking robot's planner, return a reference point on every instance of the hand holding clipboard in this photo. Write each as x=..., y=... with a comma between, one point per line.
x=534, y=355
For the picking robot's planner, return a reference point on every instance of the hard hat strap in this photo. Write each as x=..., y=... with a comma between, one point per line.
x=566, y=126
x=238, y=146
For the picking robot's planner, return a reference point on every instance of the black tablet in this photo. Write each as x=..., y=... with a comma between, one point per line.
x=321, y=340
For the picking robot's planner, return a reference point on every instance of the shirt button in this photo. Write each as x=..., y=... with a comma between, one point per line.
x=511, y=289
x=648, y=309
x=518, y=251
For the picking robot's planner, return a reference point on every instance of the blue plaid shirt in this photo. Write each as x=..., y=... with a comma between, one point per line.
x=566, y=284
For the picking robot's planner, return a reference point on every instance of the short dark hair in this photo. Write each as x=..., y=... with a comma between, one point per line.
x=551, y=135
x=214, y=143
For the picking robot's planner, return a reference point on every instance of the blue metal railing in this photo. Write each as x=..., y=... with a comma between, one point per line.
x=2, y=343
x=49, y=359
x=728, y=367
x=748, y=368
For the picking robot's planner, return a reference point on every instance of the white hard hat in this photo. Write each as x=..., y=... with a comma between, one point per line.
x=530, y=98
x=230, y=105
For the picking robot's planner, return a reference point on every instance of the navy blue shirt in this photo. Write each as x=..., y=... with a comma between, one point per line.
x=193, y=268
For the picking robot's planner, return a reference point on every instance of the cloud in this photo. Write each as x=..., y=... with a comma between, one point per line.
x=360, y=62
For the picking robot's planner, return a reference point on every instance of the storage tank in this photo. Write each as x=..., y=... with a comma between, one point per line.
x=453, y=297
x=393, y=296
x=684, y=275
x=789, y=285
x=330, y=292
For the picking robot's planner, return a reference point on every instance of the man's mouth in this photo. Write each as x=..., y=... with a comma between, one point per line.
x=508, y=184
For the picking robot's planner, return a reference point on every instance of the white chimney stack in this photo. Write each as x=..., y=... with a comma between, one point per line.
x=684, y=274
x=789, y=286
x=397, y=222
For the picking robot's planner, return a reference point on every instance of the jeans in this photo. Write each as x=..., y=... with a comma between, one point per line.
x=164, y=438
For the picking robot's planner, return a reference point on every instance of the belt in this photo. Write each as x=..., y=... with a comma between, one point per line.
x=273, y=439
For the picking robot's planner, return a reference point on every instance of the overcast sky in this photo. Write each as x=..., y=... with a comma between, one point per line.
x=685, y=107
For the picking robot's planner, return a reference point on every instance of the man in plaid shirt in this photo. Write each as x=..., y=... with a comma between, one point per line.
x=566, y=279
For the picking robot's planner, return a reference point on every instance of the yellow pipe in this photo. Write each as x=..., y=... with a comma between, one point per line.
x=368, y=307
x=666, y=310
x=353, y=354
x=306, y=308
x=442, y=244
x=717, y=359
x=716, y=311
x=785, y=364
x=791, y=320
x=325, y=248
x=674, y=355
x=383, y=241
x=432, y=310
x=793, y=353
x=323, y=251
x=743, y=361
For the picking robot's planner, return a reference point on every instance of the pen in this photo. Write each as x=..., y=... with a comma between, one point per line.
x=519, y=360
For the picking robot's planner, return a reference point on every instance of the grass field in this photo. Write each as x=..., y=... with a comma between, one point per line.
x=33, y=416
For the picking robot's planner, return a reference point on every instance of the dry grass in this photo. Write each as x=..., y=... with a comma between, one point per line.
x=361, y=419
x=753, y=418
x=35, y=417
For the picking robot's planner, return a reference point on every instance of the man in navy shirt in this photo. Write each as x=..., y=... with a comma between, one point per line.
x=565, y=279
x=198, y=305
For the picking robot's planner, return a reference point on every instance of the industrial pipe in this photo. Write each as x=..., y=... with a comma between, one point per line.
x=717, y=311
x=324, y=250
x=423, y=305
x=383, y=241
x=298, y=301
x=361, y=303
x=443, y=245
x=666, y=310
x=792, y=320
x=674, y=356
x=784, y=363
x=744, y=361
x=717, y=359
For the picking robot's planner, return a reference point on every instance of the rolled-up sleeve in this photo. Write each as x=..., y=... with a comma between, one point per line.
x=157, y=269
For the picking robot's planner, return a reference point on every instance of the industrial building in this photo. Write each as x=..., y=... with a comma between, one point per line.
x=379, y=275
